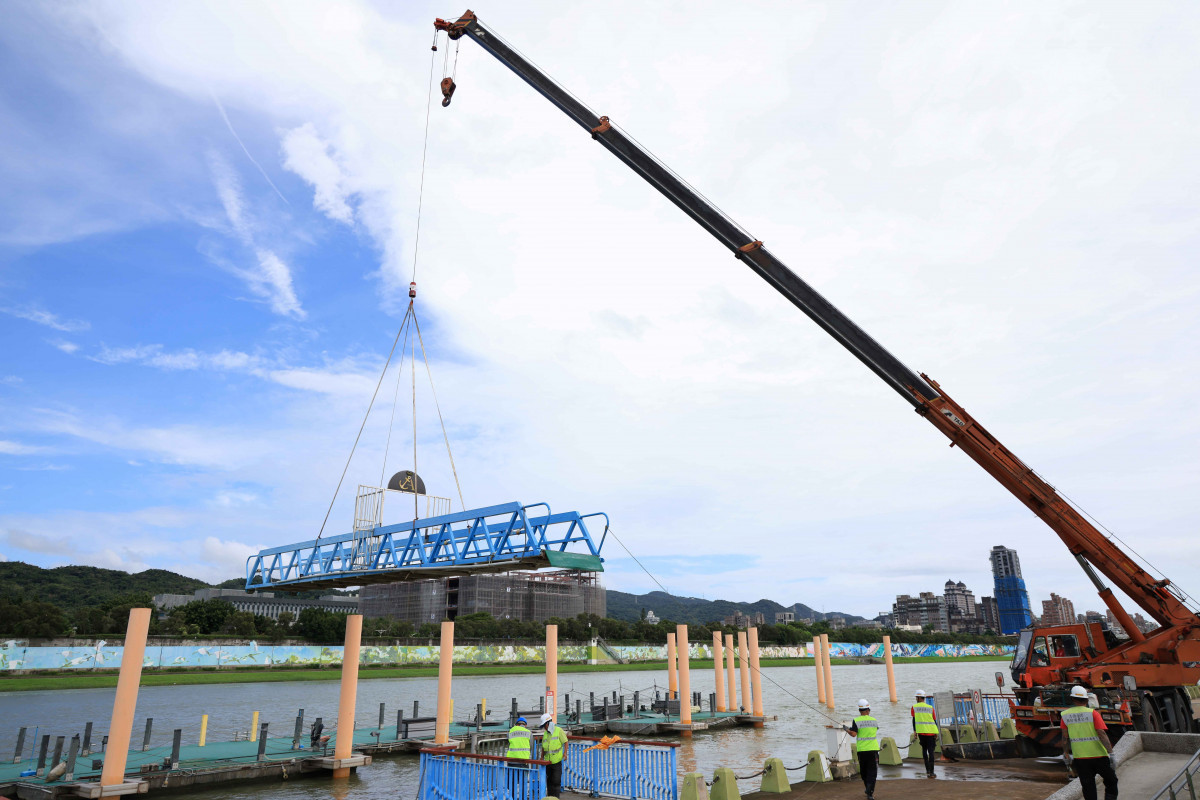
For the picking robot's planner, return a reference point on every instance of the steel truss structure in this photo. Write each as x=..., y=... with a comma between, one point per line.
x=497, y=538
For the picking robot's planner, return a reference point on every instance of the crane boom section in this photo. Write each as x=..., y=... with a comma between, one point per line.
x=696, y=206
x=1081, y=538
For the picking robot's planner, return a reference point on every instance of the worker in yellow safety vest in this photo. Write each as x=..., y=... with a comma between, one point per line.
x=866, y=733
x=520, y=741
x=1086, y=747
x=554, y=747
x=926, y=730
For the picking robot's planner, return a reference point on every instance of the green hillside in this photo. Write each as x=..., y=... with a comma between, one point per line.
x=80, y=587
x=696, y=611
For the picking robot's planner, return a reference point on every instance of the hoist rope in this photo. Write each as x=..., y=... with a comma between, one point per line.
x=395, y=401
x=370, y=405
x=424, y=150
x=416, y=495
x=437, y=405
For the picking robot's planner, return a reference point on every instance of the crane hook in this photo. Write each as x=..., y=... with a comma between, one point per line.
x=448, y=87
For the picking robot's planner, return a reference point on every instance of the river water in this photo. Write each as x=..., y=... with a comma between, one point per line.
x=789, y=693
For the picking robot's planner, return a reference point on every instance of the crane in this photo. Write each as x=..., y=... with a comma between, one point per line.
x=1146, y=682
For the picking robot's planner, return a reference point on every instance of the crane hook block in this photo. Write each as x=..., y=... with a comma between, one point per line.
x=603, y=127
x=412, y=289
x=448, y=87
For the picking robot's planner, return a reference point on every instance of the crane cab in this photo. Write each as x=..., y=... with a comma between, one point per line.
x=1044, y=655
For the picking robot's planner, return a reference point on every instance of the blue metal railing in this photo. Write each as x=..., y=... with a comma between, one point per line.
x=995, y=709
x=448, y=775
x=634, y=769
x=494, y=538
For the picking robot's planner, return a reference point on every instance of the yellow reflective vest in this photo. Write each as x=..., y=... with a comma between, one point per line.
x=520, y=742
x=923, y=716
x=868, y=733
x=554, y=745
x=1085, y=739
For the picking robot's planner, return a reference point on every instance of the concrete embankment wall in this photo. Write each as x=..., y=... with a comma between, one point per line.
x=76, y=654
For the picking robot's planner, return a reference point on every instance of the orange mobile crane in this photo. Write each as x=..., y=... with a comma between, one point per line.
x=1146, y=682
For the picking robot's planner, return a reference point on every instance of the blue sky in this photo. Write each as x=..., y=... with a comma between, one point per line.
x=207, y=236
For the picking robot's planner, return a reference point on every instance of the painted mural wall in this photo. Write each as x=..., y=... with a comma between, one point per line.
x=16, y=655
x=653, y=652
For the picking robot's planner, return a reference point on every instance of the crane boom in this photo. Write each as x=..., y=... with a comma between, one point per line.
x=1085, y=542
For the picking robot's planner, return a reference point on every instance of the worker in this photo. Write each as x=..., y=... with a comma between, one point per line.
x=1086, y=747
x=866, y=733
x=925, y=727
x=520, y=741
x=554, y=747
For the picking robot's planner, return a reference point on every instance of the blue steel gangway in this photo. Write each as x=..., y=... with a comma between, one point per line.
x=497, y=538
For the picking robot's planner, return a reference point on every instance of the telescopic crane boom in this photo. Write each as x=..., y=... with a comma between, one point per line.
x=1175, y=646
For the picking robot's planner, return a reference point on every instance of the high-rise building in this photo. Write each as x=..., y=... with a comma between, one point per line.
x=1058, y=611
x=1011, y=597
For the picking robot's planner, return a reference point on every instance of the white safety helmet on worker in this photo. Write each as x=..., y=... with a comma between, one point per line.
x=545, y=720
x=863, y=704
x=1079, y=693
x=921, y=693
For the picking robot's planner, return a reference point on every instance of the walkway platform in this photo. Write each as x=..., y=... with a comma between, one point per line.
x=497, y=538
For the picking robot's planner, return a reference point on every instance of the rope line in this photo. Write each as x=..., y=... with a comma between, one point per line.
x=437, y=405
x=608, y=529
x=370, y=405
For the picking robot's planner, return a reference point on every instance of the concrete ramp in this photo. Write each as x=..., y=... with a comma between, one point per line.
x=1145, y=763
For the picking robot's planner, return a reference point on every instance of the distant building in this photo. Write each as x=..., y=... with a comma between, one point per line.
x=264, y=604
x=739, y=620
x=925, y=609
x=1057, y=611
x=784, y=617
x=962, y=613
x=991, y=614
x=1011, y=597
x=651, y=617
x=836, y=623
x=522, y=596
x=868, y=623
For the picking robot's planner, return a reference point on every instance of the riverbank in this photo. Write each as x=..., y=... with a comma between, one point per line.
x=76, y=680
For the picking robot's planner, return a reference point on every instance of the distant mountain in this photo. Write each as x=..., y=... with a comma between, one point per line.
x=80, y=587
x=695, y=611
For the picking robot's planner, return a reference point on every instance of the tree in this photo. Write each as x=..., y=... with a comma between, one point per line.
x=320, y=625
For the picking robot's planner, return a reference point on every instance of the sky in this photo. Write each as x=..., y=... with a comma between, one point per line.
x=209, y=225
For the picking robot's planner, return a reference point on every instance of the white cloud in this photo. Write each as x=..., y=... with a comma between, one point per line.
x=270, y=278
x=64, y=345
x=307, y=155
x=17, y=449
x=47, y=318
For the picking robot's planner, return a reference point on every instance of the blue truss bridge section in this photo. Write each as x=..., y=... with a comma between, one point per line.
x=493, y=539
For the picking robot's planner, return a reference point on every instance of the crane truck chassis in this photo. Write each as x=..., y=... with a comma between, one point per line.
x=1147, y=682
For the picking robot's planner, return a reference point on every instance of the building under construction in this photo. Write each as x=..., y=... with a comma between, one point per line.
x=522, y=596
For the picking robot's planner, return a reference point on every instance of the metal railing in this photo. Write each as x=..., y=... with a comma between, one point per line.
x=634, y=769
x=1184, y=784
x=449, y=775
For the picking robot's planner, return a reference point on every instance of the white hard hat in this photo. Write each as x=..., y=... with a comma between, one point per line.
x=921, y=693
x=1079, y=692
x=863, y=704
x=546, y=718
